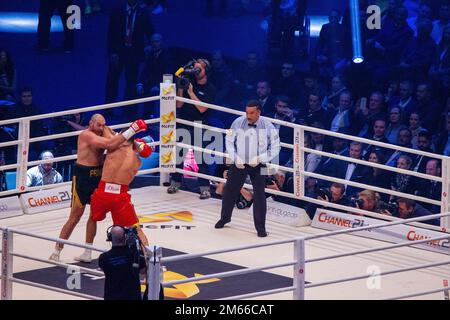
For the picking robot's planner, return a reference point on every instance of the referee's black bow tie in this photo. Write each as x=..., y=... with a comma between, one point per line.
x=252, y=125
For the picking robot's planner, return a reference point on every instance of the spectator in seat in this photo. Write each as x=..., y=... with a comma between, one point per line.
x=403, y=140
x=405, y=101
x=403, y=182
x=265, y=98
x=288, y=82
x=440, y=69
x=331, y=100
x=378, y=134
x=285, y=113
x=418, y=55
x=415, y=127
x=431, y=189
x=221, y=77
x=8, y=76
x=341, y=119
x=429, y=109
x=379, y=178
x=351, y=171
x=424, y=142
x=365, y=116
x=315, y=111
x=443, y=139
x=394, y=125
x=44, y=173
x=247, y=77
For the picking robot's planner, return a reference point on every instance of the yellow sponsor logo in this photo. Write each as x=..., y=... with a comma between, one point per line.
x=167, y=157
x=168, y=117
x=168, y=90
x=184, y=290
x=168, y=137
x=166, y=216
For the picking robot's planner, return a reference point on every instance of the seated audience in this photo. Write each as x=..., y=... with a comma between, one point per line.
x=44, y=173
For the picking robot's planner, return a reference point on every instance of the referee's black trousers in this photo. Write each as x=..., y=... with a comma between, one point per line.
x=236, y=179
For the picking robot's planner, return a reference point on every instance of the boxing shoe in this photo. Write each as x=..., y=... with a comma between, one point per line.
x=205, y=194
x=54, y=257
x=85, y=257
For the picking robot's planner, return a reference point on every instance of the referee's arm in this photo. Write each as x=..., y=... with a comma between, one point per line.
x=273, y=147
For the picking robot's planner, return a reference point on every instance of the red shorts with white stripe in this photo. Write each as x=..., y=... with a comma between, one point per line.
x=114, y=198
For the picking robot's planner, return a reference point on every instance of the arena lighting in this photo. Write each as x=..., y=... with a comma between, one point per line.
x=356, y=32
x=316, y=25
x=25, y=22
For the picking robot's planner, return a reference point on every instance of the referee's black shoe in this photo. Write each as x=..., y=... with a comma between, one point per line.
x=262, y=234
x=221, y=223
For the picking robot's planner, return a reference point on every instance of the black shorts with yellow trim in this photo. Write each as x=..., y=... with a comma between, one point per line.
x=84, y=182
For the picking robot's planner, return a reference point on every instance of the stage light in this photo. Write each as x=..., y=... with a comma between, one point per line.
x=356, y=32
x=25, y=22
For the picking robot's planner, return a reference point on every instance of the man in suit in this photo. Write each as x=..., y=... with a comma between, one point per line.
x=129, y=30
x=351, y=171
x=431, y=189
x=265, y=98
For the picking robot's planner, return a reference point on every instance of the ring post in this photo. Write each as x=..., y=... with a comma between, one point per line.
x=7, y=264
x=445, y=204
x=167, y=129
x=22, y=155
x=154, y=255
x=299, y=269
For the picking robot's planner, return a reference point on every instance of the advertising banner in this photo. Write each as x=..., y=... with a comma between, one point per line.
x=46, y=200
x=331, y=220
x=285, y=214
x=10, y=207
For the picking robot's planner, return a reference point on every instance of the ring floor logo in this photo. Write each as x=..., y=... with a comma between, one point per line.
x=214, y=288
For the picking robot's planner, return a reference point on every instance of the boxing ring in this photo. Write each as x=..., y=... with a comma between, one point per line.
x=292, y=263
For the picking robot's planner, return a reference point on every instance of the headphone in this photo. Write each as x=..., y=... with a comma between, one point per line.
x=109, y=236
x=206, y=63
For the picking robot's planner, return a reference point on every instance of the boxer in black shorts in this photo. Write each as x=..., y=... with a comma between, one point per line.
x=84, y=182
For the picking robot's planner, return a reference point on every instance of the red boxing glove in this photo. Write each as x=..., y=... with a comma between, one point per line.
x=137, y=126
x=143, y=148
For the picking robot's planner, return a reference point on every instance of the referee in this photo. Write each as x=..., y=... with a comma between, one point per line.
x=251, y=143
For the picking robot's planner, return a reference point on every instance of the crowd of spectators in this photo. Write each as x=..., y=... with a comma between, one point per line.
x=400, y=94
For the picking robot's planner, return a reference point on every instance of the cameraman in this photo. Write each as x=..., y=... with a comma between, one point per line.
x=198, y=89
x=122, y=266
x=335, y=194
x=370, y=200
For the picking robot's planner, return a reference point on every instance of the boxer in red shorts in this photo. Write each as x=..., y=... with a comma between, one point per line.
x=111, y=195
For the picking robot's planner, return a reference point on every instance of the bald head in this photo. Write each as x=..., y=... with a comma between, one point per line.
x=118, y=236
x=97, y=124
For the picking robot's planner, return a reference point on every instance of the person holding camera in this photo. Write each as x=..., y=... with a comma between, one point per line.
x=194, y=86
x=251, y=142
x=371, y=201
x=122, y=265
x=335, y=194
x=245, y=198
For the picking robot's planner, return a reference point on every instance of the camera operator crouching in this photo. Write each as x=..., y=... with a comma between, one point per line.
x=335, y=194
x=123, y=265
x=371, y=201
